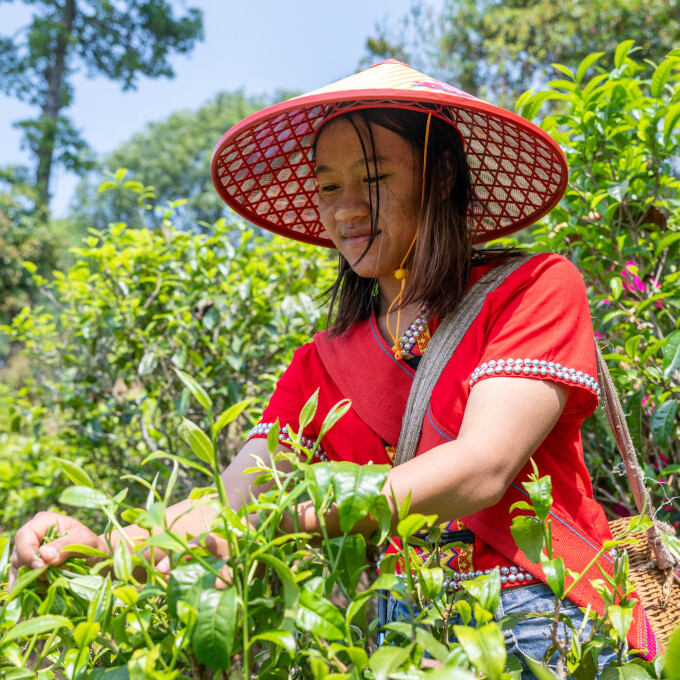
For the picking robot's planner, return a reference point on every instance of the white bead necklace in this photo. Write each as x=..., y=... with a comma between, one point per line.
x=408, y=339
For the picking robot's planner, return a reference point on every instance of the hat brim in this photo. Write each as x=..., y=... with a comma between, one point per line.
x=263, y=166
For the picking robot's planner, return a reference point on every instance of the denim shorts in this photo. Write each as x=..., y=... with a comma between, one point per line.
x=527, y=638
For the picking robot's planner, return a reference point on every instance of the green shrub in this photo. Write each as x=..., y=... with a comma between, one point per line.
x=619, y=222
x=291, y=608
x=230, y=308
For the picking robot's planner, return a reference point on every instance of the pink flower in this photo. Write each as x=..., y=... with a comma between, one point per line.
x=645, y=400
x=656, y=285
x=598, y=335
x=631, y=278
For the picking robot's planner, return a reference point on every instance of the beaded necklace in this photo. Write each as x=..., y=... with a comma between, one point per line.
x=412, y=333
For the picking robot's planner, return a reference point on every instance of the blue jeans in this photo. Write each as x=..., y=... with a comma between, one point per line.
x=527, y=638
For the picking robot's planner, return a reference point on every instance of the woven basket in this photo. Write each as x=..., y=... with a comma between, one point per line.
x=659, y=591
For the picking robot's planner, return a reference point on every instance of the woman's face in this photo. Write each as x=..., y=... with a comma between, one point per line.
x=345, y=186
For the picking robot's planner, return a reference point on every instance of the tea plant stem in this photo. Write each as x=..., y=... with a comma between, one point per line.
x=559, y=643
x=76, y=665
x=46, y=647
x=29, y=649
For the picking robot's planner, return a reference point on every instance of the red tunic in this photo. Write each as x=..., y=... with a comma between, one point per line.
x=537, y=325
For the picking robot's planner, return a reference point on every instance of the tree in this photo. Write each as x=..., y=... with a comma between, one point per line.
x=119, y=40
x=24, y=236
x=173, y=156
x=498, y=48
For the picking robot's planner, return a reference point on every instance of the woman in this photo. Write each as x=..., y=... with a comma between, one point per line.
x=402, y=174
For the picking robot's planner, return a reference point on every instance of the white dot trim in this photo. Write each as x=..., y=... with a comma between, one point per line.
x=531, y=368
x=261, y=431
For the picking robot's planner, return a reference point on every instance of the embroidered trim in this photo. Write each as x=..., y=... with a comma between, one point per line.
x=261, y=430
x=509, y=576
x=534, y=367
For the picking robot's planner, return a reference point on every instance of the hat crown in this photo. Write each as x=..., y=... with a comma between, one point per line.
x=387, y=75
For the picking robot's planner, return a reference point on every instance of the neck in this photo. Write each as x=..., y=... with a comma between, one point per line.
x=389, y=289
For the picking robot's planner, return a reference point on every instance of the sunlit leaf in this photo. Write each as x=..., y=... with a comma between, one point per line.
x=320, y=616
x=484, y=646
x=84, y=497
x=554, y=575
x=231, y=414
x=356, y=487
x=75, y=473
x=527, y=533
x=38, y=625
x=197, y=440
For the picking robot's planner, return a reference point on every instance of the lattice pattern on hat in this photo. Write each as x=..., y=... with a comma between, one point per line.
x=266, y=170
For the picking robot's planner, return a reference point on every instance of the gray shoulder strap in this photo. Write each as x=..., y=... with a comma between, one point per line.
x=440, y=349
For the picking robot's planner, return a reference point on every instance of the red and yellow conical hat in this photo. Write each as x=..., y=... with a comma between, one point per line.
x=263, y=166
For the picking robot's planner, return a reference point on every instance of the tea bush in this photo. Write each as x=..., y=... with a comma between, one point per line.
x=230, y=307
x=619, y=222
x=277, y=614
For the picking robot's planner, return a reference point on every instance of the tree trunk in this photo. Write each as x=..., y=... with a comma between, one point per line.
x=53, y=102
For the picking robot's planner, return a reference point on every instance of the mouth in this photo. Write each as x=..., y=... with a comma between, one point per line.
x=352, y=239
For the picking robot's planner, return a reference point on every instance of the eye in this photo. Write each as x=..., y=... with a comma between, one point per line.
x=375, y=180
x=328, y=188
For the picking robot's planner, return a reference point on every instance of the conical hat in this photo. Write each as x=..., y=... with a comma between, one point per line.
x=263, y=167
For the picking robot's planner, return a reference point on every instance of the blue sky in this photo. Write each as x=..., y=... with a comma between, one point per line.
x=258, y=45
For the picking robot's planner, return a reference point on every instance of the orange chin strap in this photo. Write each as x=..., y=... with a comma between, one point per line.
x=401, y=274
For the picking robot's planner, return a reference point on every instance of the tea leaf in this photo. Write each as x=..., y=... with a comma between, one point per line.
x=387, y=659
x=484, y=646
x=663, y=423
x=320, y=617
x=228, y=416
x=540, y=492
x=84, y=497
x=122, y=562
x=279, y=637
x=37, y=626
x=356, y=489
x=554, y=575
x=197, y=440
x=309, y=410
x=212, y=638
x=85, y=633
x=671, y=353
x=186, y=583
x=75, y=473
x=527, y=533
x=196, y=390
x=128, y=595
x=486, y=589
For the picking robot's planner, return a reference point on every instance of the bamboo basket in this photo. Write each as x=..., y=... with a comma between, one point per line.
x=659, y=591
x=652, y=568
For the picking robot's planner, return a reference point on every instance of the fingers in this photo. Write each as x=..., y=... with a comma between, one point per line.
x=28, y=539
x=163, y=566
x=29, y=551
x=225, y=578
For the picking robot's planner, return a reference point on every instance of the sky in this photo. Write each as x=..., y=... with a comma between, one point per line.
x=257, y=45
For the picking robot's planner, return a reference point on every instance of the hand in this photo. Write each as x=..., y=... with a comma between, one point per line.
x=216, y=546
x=29, y=549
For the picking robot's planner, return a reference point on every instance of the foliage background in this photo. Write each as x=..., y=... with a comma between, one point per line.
x=149, y=273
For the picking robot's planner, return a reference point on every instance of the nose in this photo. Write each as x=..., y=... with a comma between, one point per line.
x=352, y=205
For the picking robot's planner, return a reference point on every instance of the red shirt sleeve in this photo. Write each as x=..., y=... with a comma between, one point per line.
x=540, y=327
x=285, y=404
